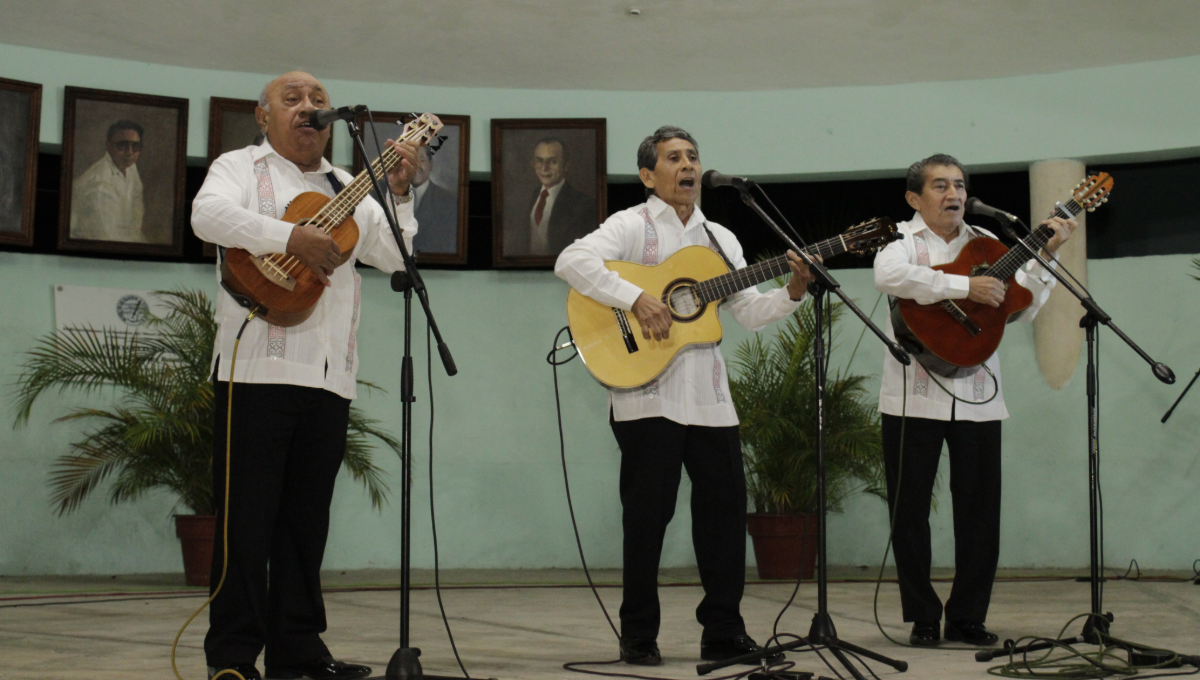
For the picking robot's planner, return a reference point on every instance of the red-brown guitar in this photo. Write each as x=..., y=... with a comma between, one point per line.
x=951, y=338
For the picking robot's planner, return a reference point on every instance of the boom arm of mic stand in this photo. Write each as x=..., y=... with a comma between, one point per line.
x=1094, y=313
x=823, y=277
x=410, y=265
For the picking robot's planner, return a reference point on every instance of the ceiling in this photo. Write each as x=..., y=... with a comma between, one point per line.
x=682, y=45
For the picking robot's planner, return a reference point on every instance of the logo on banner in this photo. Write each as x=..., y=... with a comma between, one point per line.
x=132, y=310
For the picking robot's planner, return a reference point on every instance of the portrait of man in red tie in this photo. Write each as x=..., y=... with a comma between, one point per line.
x=549, y=183
x=559, y=212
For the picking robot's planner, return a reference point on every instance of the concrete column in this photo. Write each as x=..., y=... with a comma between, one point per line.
x=1056, y=332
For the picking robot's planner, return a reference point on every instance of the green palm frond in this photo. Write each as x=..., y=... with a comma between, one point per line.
x=158, y=434
x=773, y=388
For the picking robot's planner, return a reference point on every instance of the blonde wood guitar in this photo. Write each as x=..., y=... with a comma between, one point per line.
x=691, y=283
x=280, y=282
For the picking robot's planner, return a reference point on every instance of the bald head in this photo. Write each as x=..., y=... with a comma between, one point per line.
x=282, y=113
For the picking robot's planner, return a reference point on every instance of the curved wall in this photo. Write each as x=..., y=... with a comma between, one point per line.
x=499, y=484
x=1138, y=109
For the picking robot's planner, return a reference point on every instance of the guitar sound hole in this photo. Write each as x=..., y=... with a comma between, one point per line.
x=681, y=298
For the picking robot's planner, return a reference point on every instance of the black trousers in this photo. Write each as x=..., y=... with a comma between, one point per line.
x=975, y=490
x=653, y=450
x=287, y=447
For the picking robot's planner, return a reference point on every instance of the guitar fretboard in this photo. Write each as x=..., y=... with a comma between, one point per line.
x=1008, y=265
x=337, y=210
x=723, y=286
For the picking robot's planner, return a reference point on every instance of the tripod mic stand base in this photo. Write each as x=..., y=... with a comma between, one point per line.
x=406, y=666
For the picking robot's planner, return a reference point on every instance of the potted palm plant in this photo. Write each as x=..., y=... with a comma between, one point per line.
x=158, y=434
x=773, y=384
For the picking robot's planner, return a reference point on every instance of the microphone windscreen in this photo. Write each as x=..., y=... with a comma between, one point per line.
x=710, y=179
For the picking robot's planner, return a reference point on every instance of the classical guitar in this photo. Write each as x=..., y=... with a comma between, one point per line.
x=951, y=338
x=280, y=282
x=691, y=283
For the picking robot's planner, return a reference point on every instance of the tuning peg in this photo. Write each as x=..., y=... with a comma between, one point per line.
x=1092, y=209
x=1104, y=200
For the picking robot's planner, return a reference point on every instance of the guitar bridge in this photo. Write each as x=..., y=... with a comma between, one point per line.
x=961, y=317
x=626, y=330
x=273, y=272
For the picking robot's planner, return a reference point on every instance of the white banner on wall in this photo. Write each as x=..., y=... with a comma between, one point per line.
x=118, y=309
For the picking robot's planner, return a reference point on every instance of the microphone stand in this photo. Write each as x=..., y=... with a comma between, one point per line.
x=822, y=631
x=404, y=664
x=1095, y=628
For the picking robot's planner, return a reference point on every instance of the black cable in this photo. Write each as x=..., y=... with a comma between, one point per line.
x=437, y=583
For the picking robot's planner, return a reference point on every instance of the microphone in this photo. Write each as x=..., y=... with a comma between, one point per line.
x=713, y=179
x=978, y=207
x=322, y=118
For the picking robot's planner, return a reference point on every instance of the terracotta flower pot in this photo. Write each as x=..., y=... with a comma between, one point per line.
x=195, y=534
x=785, y=546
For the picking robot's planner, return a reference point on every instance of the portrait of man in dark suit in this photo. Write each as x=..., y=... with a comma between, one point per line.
x=436, y=210
x=558, y=212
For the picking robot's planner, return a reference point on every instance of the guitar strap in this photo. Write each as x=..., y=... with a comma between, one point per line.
x=717, y=247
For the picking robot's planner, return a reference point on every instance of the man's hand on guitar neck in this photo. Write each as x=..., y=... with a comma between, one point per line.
x=653, y=316
x=986, y=290
x=316, y=250
x=1062, y=231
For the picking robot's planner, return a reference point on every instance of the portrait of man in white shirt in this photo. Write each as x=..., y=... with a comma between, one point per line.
x=107, y=201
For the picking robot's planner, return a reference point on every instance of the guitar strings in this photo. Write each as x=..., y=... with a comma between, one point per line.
x=337, y=210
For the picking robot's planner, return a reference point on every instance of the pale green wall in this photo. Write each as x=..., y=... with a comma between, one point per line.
x=499, y=486
x=1136, y=109
x=499, y=489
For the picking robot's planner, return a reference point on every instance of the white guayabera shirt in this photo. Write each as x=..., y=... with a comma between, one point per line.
x=902, y=269
x=694, y=389
x=234, y=208
x=107, y=204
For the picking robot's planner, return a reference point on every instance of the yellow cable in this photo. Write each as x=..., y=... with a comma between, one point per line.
x=225, y=530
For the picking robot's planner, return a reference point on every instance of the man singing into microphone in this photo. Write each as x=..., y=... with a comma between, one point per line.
x=292, y=388
x=684, y=417
x=965, y=413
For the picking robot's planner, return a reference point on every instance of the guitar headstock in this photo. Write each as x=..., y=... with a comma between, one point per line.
x=1093, y=191
x=865, y=238
x=421, y=129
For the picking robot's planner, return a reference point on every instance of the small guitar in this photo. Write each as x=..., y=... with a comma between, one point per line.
x=690, y=283
x=280, y=282
x=951, y=338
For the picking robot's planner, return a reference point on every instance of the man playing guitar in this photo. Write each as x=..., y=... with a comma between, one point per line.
x=684, y=417
x=963, y=412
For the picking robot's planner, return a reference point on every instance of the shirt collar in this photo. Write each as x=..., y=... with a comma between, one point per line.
x=659, y=207
x=965, y=231
x=265, y=149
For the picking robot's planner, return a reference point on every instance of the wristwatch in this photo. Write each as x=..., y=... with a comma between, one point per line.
x=406, y=198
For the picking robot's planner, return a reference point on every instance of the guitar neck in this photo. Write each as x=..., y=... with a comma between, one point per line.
x=342, y=206
x=723, y=286
x=1008, y=265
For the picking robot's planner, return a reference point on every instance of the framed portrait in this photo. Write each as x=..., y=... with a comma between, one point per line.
x=440, y=185
x=123, y=164
x=232, y=126
x=20, y=118
x=549, y=186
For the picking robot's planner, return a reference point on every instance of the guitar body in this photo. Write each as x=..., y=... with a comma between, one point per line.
x=939, y=341
x=601, y=339
x=289, y=294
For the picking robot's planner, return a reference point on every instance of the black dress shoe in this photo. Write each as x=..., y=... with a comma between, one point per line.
x=926, y=633
x=738, y=645
x=640, y=652
x=970, y=632
x=247, y=671
x=324, y=668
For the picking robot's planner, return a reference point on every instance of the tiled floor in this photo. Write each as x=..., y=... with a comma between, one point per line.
x=527, y=624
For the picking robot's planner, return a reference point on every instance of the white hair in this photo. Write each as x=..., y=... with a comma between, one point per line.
x=263, y=98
